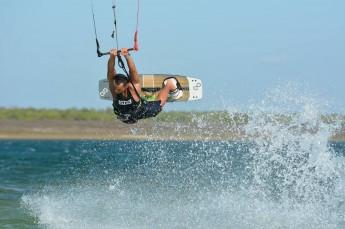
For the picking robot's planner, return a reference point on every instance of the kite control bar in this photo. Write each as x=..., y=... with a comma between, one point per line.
x=100, y=54
x=135, y=48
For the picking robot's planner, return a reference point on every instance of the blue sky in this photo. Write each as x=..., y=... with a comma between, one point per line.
x=240, y=49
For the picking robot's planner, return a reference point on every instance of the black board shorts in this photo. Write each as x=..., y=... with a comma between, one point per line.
x=150, y=109
x=147, y=109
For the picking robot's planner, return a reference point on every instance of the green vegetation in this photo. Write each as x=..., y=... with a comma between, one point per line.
x=33, y=114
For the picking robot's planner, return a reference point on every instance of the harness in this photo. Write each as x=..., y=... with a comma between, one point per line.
x=127, y=109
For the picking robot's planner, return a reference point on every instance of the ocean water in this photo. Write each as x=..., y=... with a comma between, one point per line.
x=285, y=173
x=111, y=184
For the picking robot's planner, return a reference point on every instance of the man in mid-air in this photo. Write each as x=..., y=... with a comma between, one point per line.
x=128, y=105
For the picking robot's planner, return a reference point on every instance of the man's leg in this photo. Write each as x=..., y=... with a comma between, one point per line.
x=164, y=92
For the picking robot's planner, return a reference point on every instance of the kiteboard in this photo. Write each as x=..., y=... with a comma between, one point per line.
x=151, y=84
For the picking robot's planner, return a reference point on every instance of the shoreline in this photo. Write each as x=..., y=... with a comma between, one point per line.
x=104, y=130
x=115, y=130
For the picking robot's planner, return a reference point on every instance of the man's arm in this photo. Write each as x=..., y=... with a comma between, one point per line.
x=111, y=71
x=132, y=69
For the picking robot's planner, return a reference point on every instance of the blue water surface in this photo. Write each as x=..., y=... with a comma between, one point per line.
x=163, y=184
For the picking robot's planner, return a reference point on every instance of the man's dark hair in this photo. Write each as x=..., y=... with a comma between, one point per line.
x=121, y=78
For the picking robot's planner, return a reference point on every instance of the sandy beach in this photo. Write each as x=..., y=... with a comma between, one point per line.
x=107, y=130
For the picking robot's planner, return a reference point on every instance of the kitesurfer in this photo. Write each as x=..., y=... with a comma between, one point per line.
x=129, y=107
